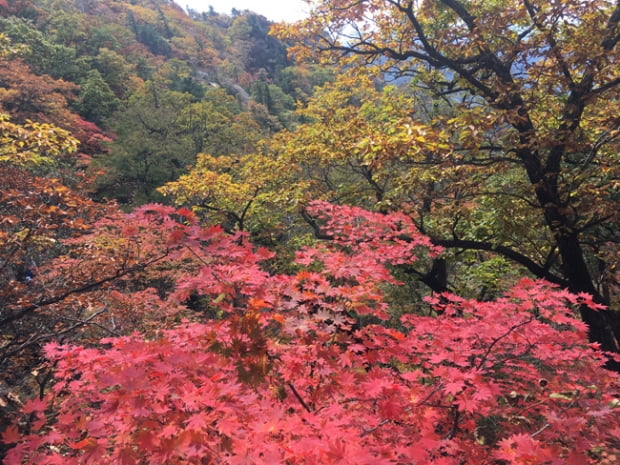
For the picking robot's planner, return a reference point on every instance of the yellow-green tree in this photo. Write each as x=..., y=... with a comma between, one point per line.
x=257, y=193
x=389, y=148
x=33, y=144
x=533, y=91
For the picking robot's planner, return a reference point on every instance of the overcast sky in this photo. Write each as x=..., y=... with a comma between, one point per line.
x=275, y=10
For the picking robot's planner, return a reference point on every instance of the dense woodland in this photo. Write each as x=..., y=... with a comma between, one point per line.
x=387, y=234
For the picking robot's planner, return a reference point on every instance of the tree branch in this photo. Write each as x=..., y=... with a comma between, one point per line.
x=299, y=398
x=499, y=338
x=318, y=233
x=528, y=263
x=17, y=313
x=536, y=269
x=42, y=337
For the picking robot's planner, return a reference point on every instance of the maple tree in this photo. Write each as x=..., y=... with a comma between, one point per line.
x=286, y=371
x=533, y=89
x=41, y=205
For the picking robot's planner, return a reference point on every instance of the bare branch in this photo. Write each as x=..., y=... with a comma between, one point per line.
x=34, y=339
x=499, y=338
x=17, y=313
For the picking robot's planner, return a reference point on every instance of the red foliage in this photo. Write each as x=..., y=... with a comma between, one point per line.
x=92, y=138
x=283, y=376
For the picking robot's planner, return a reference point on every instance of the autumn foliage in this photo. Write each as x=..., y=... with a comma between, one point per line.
x=312, y=367
x=270, y=317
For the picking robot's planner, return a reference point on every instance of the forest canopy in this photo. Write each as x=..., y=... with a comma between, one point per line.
x=385, y=234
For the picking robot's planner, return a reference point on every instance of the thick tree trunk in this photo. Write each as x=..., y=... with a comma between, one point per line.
x=601, y=323
x=603, y=327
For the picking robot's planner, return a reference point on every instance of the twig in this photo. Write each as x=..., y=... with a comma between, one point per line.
x=301, y=401
x=499, y=338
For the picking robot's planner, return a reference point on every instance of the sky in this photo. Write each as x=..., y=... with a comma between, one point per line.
x=274, y=10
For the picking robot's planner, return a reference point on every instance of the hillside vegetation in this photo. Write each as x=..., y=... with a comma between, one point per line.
x=386, y=234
